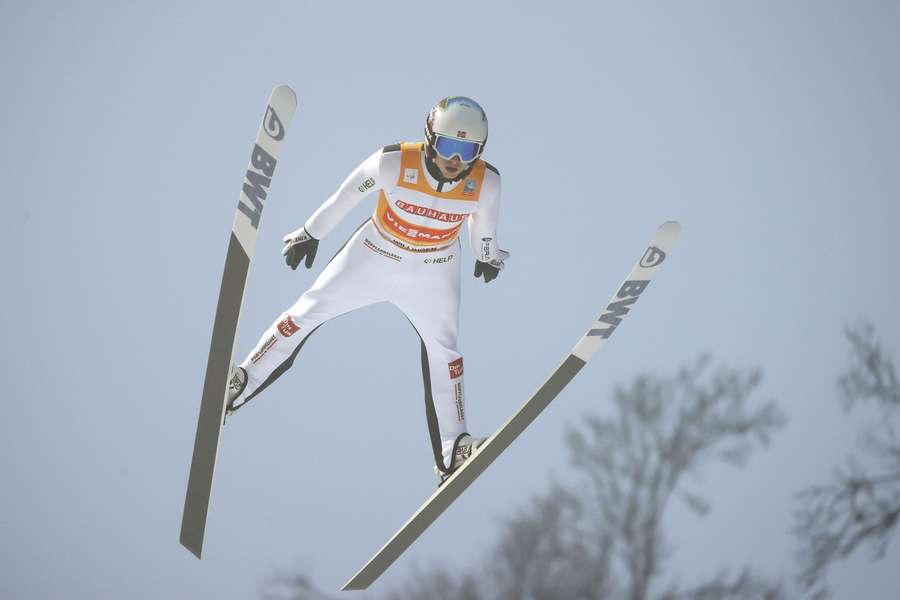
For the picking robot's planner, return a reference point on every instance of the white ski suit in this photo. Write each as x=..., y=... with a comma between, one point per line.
x=407, y=253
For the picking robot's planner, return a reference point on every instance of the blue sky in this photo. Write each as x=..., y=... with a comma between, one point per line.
x=768, y=129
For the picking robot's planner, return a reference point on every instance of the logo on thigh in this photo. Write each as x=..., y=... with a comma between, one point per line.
x=287, y=327
x=460, y=402
x=265, y=348
x=456, y=368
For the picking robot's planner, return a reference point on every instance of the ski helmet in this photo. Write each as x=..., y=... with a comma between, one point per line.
x=456, y=126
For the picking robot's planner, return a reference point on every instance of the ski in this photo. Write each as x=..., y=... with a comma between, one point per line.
x=600, y=331
x=266, y=150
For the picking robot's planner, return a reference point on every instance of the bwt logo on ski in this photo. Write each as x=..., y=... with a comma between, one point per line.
x=273, y=125
x=257, y=183
x=652, y=257
x=262, y=167
x=617, y=309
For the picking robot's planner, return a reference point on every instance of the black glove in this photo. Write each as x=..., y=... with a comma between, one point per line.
x=298, y=245
x=489, y=271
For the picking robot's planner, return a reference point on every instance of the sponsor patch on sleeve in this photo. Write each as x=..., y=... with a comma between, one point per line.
x=368, y=184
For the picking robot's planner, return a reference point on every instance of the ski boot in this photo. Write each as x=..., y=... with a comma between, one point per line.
x=463, y=449
x=236, y=384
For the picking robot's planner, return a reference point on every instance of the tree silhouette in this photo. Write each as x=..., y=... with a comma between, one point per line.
x=746, y=586
x=283, y=586
x=438, y=584
x=861, y=504
x=601, y=535
x=545, y=552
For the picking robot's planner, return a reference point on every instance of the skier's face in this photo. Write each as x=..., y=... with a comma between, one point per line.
x=449, y=168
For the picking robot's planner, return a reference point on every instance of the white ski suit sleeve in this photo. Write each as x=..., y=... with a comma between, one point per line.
x=483, y=222
x=355, y=187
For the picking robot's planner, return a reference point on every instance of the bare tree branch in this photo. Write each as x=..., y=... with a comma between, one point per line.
x=871, y=375
x=438, y=583
x=746, y=586
x=545, y=552
x=858, y=507
x=664, y=429
x=292, y=587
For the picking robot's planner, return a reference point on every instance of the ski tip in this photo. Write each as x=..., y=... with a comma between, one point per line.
x=669, y=231
x=670, y=227
x=285, y=91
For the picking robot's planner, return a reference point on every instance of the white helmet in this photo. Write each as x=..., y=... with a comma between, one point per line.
x=457, y=126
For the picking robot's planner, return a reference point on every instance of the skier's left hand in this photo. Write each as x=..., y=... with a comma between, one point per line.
x=297, y=245
x=491, y=268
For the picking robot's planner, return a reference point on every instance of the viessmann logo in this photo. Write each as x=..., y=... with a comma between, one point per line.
x=397, y=225
x=262, y=167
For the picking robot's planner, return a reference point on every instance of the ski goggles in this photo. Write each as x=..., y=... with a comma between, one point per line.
x=448, y=147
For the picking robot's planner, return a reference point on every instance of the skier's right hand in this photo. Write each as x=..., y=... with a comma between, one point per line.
x=297, y=245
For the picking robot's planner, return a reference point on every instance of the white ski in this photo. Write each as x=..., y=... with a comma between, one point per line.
x=619, y=306
x=269, y=140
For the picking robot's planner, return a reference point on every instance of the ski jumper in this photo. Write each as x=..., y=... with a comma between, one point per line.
x=408, y=254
